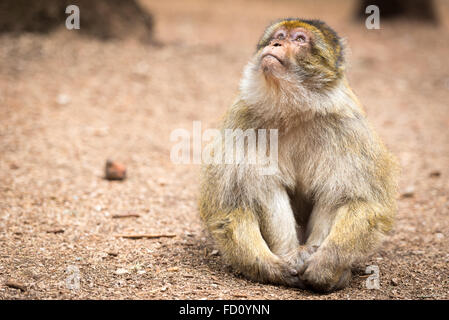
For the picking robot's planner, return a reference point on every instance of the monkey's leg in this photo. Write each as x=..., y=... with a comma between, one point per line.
x=356, y=228
x=278, y=224
x=240, y=240
x=279, y=229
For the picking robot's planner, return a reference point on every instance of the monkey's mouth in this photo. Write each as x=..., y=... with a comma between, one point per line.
x=272, y=56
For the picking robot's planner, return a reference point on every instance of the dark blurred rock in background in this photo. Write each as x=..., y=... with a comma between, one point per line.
x=104, y=19
x=423, y=10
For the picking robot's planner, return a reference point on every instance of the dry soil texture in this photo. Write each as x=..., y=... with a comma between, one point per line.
x=69, y=102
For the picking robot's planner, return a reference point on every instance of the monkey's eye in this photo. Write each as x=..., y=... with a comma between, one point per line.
x=300, y=37
x=280, y=35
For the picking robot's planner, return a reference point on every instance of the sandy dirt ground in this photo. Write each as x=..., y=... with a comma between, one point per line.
x=69, y=102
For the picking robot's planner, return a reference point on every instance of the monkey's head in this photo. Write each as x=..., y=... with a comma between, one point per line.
x=299, y=53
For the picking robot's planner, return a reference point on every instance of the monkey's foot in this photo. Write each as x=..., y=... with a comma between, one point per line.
x=299, y=256
x=321, y=275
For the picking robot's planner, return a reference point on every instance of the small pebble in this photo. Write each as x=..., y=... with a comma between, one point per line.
x=114, y=170
x=435, y=174
x=63, y=99
x=409, y=192
x=214, y=253
x=121, y=271
x=394, y=282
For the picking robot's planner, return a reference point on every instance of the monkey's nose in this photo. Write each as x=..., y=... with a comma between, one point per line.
x=277, y=44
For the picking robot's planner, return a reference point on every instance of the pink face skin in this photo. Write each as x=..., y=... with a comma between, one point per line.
x=284, y=45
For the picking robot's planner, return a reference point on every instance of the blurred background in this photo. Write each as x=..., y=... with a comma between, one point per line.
x=135, y=71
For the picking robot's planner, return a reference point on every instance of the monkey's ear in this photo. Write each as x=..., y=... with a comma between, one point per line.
x=341, y=54
x=338, y=46
x=333, y=40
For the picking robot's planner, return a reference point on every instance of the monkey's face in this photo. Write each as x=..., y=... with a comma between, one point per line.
x=285, y=49
x=305, y=51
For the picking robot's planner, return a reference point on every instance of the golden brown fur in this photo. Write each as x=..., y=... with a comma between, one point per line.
x=332, y=197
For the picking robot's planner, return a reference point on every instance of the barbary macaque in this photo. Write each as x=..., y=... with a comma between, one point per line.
x=332, y=197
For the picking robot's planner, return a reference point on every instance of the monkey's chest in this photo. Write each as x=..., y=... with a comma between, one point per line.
x=308, y=161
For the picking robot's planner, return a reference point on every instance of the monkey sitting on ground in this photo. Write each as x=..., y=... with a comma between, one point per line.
x=332, y=197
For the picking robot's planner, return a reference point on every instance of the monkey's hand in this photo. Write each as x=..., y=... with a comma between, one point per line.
x=288, y=274
x=299, y=256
